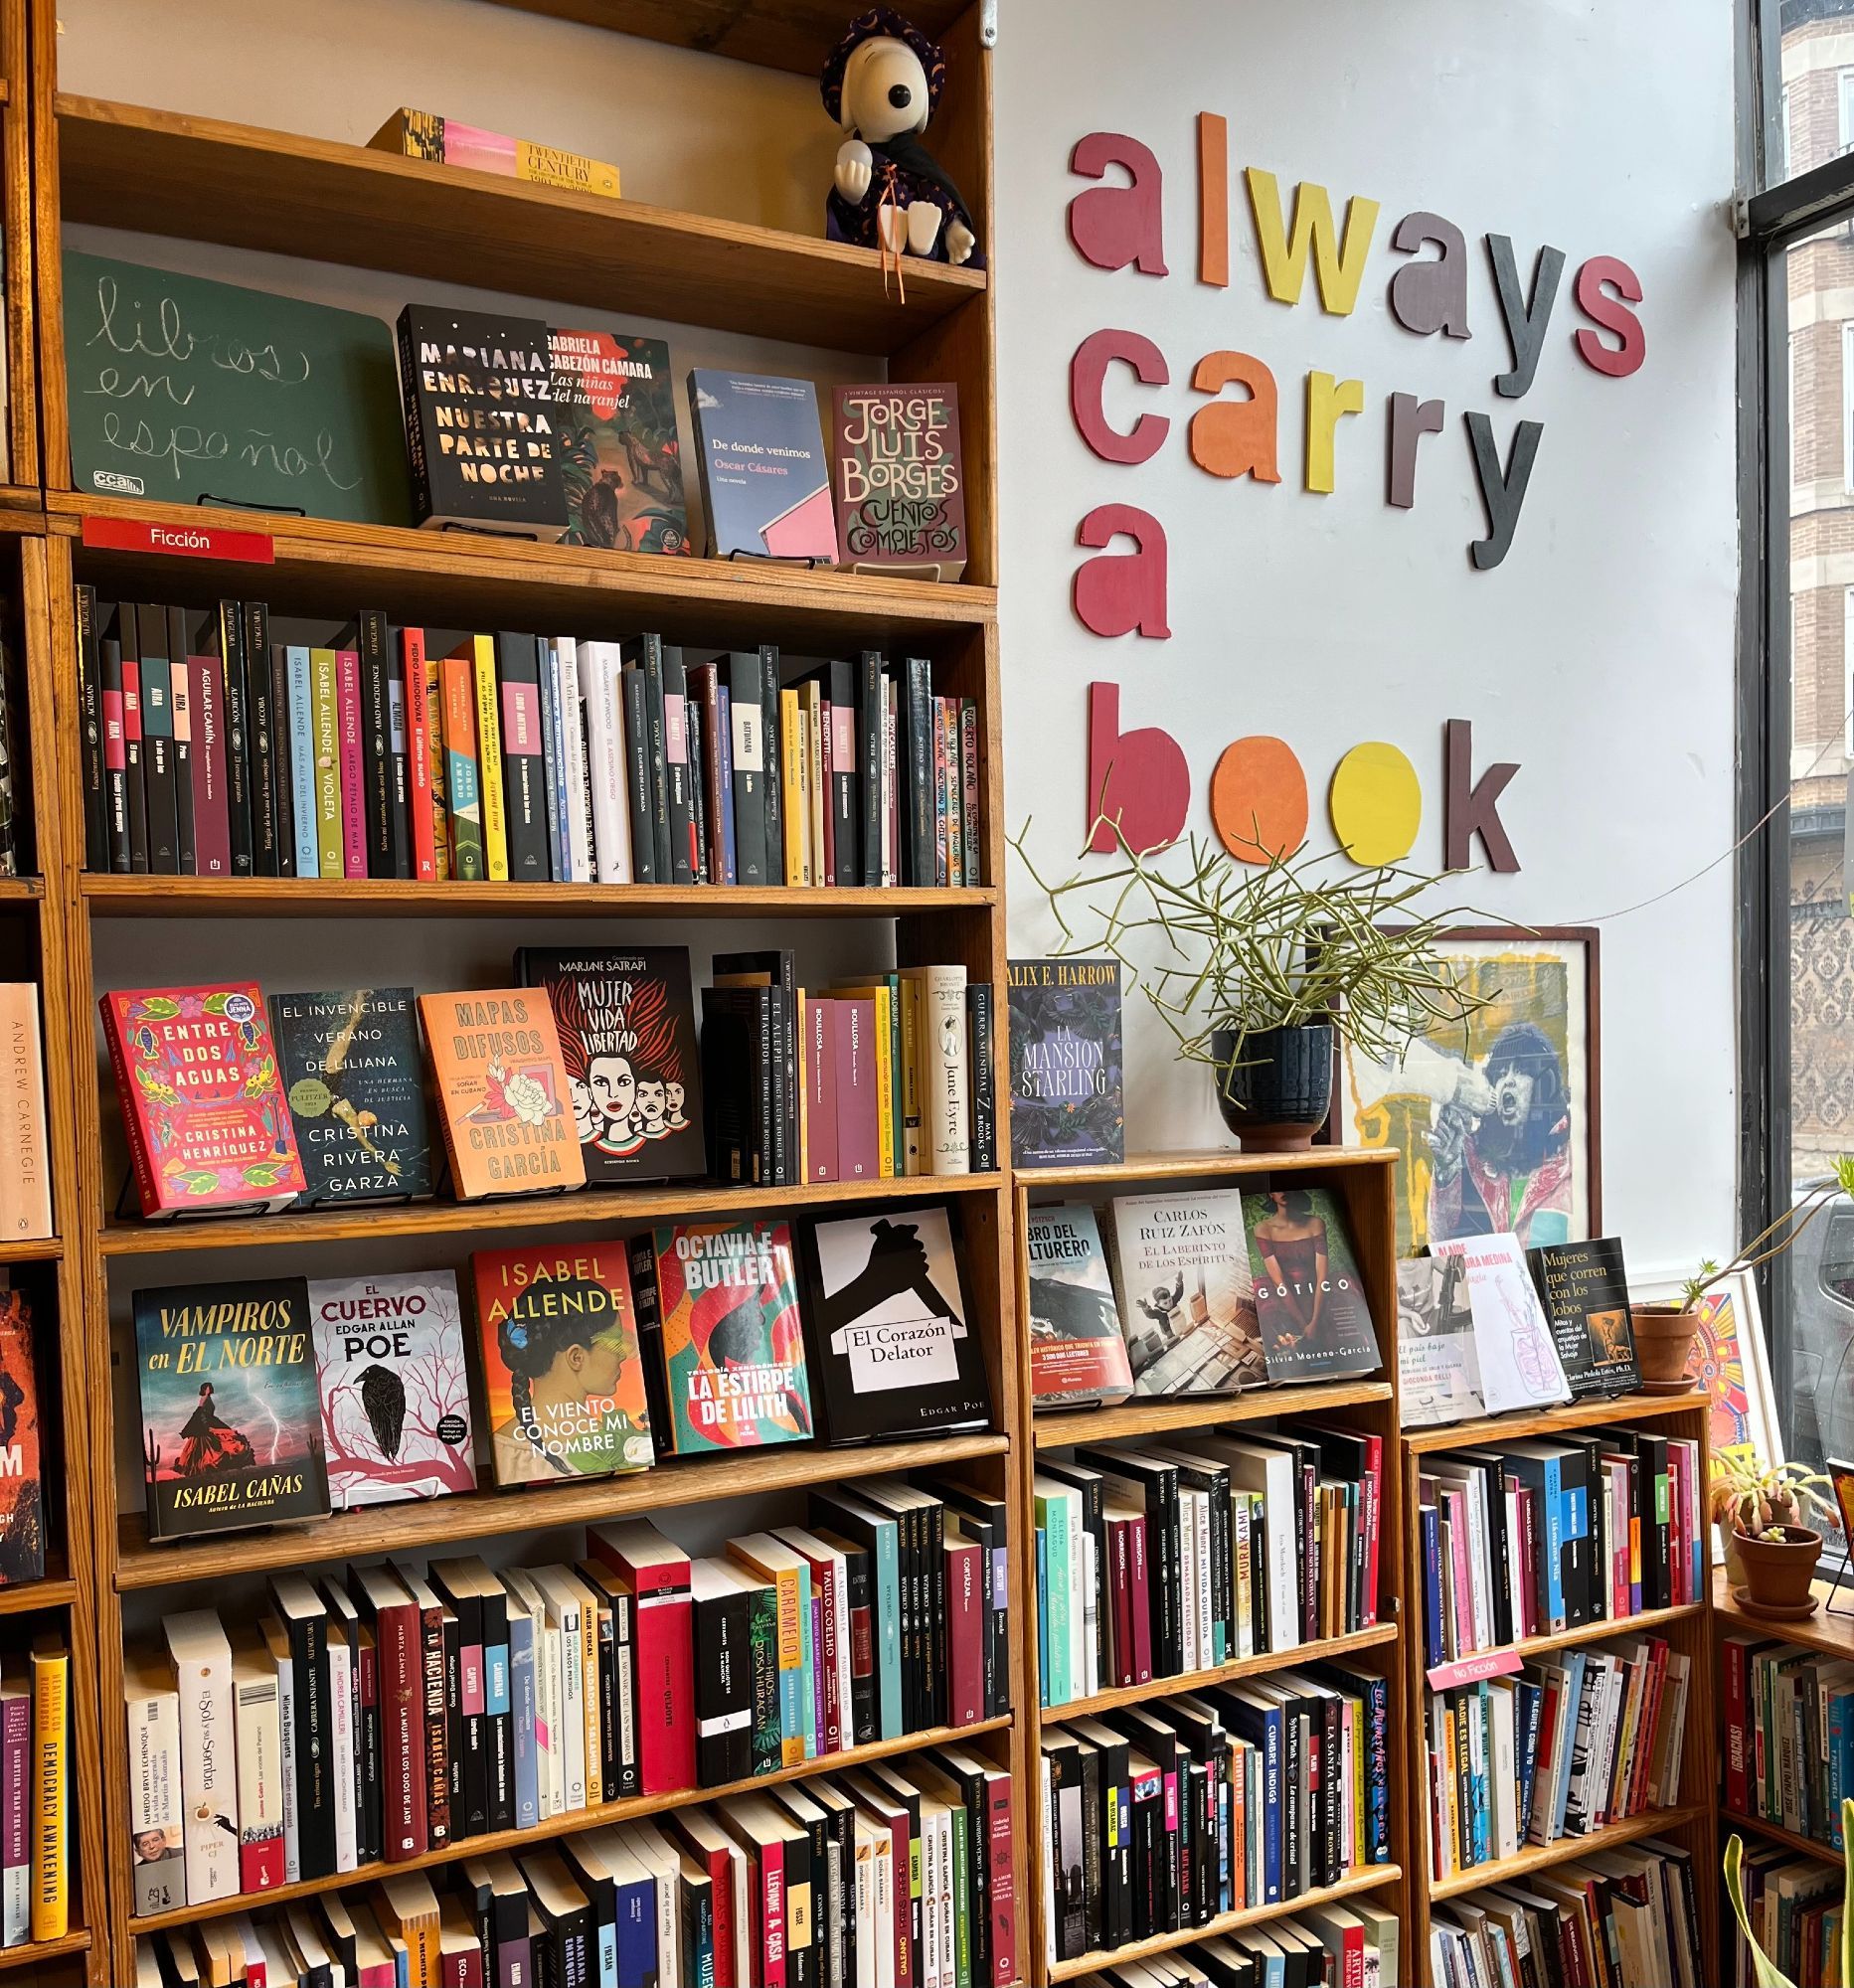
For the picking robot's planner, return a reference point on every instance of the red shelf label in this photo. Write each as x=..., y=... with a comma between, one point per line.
x=208, y=542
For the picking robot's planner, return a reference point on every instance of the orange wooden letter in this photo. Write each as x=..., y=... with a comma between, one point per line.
x=1258, y=799
x=1236, y=437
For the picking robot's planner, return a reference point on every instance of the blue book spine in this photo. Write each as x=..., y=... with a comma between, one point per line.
x=522, y=1716
x=1432, y=1583
x=1557, y=1512
x=1573, y=1700
x=1576, y=1515
x=1378, y=1764
x=1526, y=1715
x=1484, y=1726
x=605, y=1935
x=636, y=1934
x=888, y=1627
x=302, y=762
x=1272, y=1806
x=730, y=853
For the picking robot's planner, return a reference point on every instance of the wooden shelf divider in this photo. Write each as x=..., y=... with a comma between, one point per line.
x=1542, y=1855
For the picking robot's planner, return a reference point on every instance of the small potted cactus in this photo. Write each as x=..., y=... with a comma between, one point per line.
x=1763, y=1510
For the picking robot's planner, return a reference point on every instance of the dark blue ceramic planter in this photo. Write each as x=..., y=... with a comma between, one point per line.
x=1280, y=1092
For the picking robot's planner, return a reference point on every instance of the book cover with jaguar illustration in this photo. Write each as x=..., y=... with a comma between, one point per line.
x=356, y=1093
x=615, y=409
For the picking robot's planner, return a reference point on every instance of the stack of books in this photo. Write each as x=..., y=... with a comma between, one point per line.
x=377, y=1717
x=222, y=746
x=1161, y=1817
x=1788, y=1735
x=1161, y=1559
x=1561, y=1747
x=1330, y=1943
x=36, y=1814
x=1795, y=1905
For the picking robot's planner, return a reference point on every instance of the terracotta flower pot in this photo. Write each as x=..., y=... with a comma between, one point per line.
x=1663, y=1341
x=1777, y=1573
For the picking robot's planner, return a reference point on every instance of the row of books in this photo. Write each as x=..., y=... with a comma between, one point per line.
x=35, y=1813
x=1795, y=1906
x=1164, y=1817
x=1788, y=1718
x=1161, y=1558
x=211, y=748
x=1627, y=1918
x=1331, y=1946
x=376, y=1718
x=588, y=1358
x=1194, y=1292
x=1530, y=1539
x=25, y=1147
x=1560, y=1747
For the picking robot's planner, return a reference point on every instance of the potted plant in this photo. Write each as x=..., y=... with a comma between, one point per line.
x=1764, y=1972
x=1665, y=1328
x=1254, y=966
x=1762, y=1509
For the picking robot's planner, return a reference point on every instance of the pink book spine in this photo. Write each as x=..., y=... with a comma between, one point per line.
x=15, y=1757
x=824, y=1574
x=1001, y=1894
x=965, y=1635
x=1459, y=1578
x=1528, y=1561
x=212, y=820
x=827, y=751
x=820, y=1077
x=859, y=1141
x=773, y=1913
x=969, y=775
x=1619, y=1594
x=891, y=807
x=1372, y=1504
x=419, y=758
x=353, y=774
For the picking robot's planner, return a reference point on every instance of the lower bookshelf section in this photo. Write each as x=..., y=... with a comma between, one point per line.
x=40, y=1953
x=569, y=1824
x=1374, y=1876
x=1542, y=1855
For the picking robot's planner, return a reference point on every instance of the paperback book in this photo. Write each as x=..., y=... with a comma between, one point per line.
x=1066, y=1073
x=22, y=1480
x=24, y=1149
x=356, y=1091
x=766, y=483
x=230, y=1410
x=894, y=1350
x=898, y=481
x=563, y=1376
x=726, y=1300
x=1519, y=1364
x=1077, y=1355
x=1186, y=1293
x=1585, y=1290
x=1437, y=1360
x=1310, y=1303
x=443, y=141
x=615, y=406
x=502, y=1089
x=395, y=1388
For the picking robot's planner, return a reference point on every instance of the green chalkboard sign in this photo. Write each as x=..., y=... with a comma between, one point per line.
x=190, y=391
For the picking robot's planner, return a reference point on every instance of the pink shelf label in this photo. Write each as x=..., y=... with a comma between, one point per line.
x=1473, y=1669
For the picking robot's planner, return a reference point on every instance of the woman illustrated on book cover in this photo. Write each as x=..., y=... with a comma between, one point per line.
x=1309, y=1304
x=1292, y=1242
x=567, y=1365
x=623, y=1080
x=209, y=1443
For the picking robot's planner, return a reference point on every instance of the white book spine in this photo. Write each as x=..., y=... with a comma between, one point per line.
x=1190, y=1654
x=341, y=1740
x=930, y=1903
x=208, y=1766
x=1206, y=1613
x=572, y=1705
x=547, y=1781
x=863, y=1905
x=286, y=1736
x=1091, y=1619
x=948, y=1907
x=259, y=1737
x=669, y=1942
x=1280, y=1516
x=1505, y=1778
x=573, y=773
x=945, y=1138
x=155, y=1802
x=845, y=1678
x=599, y=664
x=883, y=1890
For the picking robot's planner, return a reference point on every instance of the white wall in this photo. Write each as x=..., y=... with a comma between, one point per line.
x=1600, y=655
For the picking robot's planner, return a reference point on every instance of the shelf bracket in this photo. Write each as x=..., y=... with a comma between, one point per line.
x=988, y=23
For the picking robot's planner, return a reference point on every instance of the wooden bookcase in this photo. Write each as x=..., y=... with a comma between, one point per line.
x=242, y=187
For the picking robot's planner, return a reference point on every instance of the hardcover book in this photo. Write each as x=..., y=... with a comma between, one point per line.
x=22, y=1483
x=897, y=480
x=626, y=1028
x=231, y=1422
x=733, y=1359
x=1310, y=1303
x=479, y=422
x=424, y=134
x=766, y=484
x=1585, y=1290
x=356, y=1093
x=1077, y=1356
x=1066, y=1069
x=208, y=1125
x=890, y=1335
x=1186, y=1294
x=562, y=1378
x=615, y=410
x=502, y=1090
x=395, y=1388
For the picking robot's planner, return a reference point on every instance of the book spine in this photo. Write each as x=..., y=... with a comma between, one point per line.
x=859, y=1131
x=412, y=407
x=132, y=744
x=820, y=1087
x=575, y=768
x=305, y=785
x=722, y=735
x=970, y=815
x=376, y=783
x=553, y=764
x=91, y=720
x=966, y=1580
x=981, y=1067
x=748, y=761
x=605, y=734
x=771, y=752
x=259, y=731
x=526, y=807
x=490, y=762
x=259, y=1741
x=523, y=1710
x=698, y=789
x=916, y=744
x=943, y=820
x=656, y=718
x=400, y=709
x=208, y=1780
x=352, y=726
x=184, y=691
x=235, y=661
x=155, y=1803
x=684, y=857
x=845, y=868
x=157, y=731
x=438, y=1814
x=214, y=855
x=326, y=765
x=944, y=1136
x=422, y=856
x=51, y=1804
x=463, y=799
x=665, y=1684
x=791, y=790
x=282, y=777
x=17, y=1802
x=115, y=761
x=870, y=707
x=636, y=704
x=816, y=788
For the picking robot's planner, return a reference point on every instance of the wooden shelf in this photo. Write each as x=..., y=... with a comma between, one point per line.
x=36, y=1249
x=56, y=1591
x=161, y=173
x=793, y=35
x=1178, y=1166
x=41, y=1952
x=571, y=1824
x=592, y=1208
x=1056, y=1428
x=1369, y=1879
x=1327, y=1650
x=1831, y=1634
x=1803, y=1846
x=114, y=896
x=21, y=890
x=1541, y=1857
x=1650, y=1623
x=440, y=1522
x=1547, y=1421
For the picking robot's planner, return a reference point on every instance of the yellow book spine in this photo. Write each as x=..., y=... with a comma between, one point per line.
x=791, y=787
x=51, y=1794
x=434, y=754
x=807, y=849
x=1450, y=1858
x=570, y=172
x=909, y=991
x=324, y=712
x=489, y=762
x=589, y=1656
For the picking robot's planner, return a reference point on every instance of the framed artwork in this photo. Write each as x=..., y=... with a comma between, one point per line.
x=1841, y=1476
x=1497, y=1116
x=1730, y=1363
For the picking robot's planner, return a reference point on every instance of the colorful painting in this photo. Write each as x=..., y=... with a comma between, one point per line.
x=1733, y=1370
x=1496, y=1115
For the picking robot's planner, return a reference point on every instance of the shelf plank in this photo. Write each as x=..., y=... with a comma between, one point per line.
x=1372, y=1878
x=1179, y=1166
x=571, y=1824
x=34, y=1249
x=1542, y=1855
x=163, y=173
x=1547, y=1421
x=1053, y=1429
x=441, y=1522
x=41, y=1952
x=1330, y=1649
x=55, y=1591
x=1833, y=1634
x=1803, y=1846
x=21, y=890
x=1651, y=1621
x=793, y=35
x=592, y=1208
x=113, y=895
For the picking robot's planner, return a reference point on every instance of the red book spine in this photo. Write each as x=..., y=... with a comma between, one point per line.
x=965, y=1634
x=212, y=820
x=399, y=1641
x=1001, y=1892
x=820, y=1069
x=353, y=772
x=721, y=1894
x=772, y=1913
x=1635, y=1784
x=1372, y=1508
x=900, y=1855
x=461, y=1968
x=146, y=1184
x=666, y=1691
x=859, y=1138
x=435, y=1706
x=1120, y=1601
x=1141, y=1609
x=1351, y=1957
x=419, y=758
x=1736, y=1782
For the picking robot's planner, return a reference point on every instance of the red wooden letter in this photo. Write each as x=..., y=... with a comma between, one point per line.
x=1125, y=591
x=1114, y=226
x=1595, y=302
x=1139, y=777
x=1088, y=369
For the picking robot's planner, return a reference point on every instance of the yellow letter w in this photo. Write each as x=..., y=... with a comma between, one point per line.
x=1339, y=268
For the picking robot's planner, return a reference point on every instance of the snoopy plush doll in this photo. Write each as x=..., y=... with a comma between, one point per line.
x=882, y=83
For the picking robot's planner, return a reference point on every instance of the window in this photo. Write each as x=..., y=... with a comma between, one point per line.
x=1846, y=82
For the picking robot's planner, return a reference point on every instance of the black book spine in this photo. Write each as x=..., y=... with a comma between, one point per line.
x=420, y=469
x=846, y=815
x=939, y=1661
x=399, y=765
x=1574, y=1560
x=657, y=716
x=917, y=754
x=683, y=855
x=282, y=762
x=610, y=1740
x=648, y=1311
x=754, y=773
x=764, y=1076
x=857, y=1580
x=524, y=768
x=370, y=1790
x=91, y=716
x=981, y=1064
x=624, y=1672
x=771, y=746
x=637, y=773
x=157, y=734
x=376, y=766
x=185, y=693
x=315, y=1748
x=498, y=1721
x=698, y=788
x=133, y=745
x=782, y=1160
x=116, y=775
x=1090, y=1850
x=1656, y=1582
x=238, y=809
x=260, y=761
x=871, y=700
x=724, y=1688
